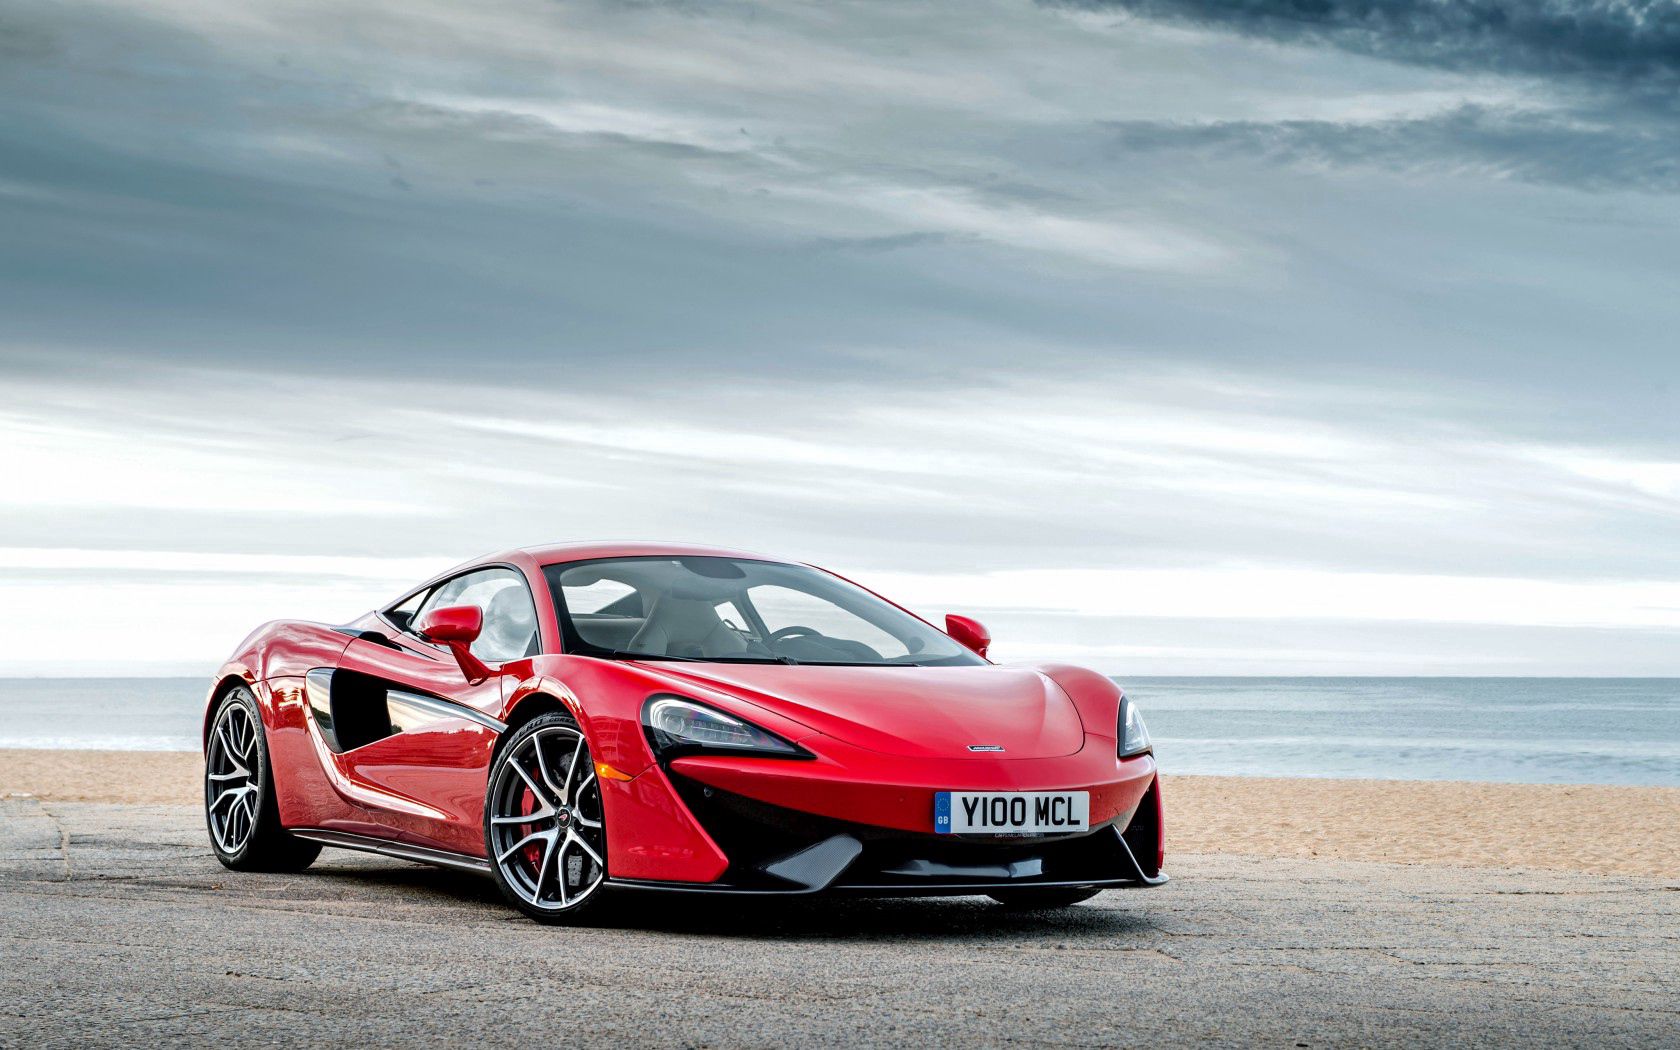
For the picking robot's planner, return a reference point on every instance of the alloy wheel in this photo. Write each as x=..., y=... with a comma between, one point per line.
x=232, y=779
x=546, y=826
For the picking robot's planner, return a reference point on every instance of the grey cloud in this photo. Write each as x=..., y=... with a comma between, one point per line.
x=1589, y=152
x=170, y=200
x=1606, y=117
x=1337, y=648
x=890, y=243
x=1635, y=43
x=22, y=41
x=204, y=254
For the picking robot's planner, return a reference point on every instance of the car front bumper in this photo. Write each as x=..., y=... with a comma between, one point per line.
x=772, y=849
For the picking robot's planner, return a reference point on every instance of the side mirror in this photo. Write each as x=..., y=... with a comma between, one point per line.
x=971, y=633
x=456, y=626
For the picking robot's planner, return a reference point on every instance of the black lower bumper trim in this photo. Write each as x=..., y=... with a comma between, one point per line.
x=1143, y=879
x=895, y=889
x=908, y=887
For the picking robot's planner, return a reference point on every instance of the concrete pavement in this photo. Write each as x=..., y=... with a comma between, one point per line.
x=117, y=926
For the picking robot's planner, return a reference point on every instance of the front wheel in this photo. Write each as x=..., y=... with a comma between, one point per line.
x=544, y=826
x=1052, y=898
x=239, y=807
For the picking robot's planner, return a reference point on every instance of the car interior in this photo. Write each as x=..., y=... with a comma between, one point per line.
x=714, y=608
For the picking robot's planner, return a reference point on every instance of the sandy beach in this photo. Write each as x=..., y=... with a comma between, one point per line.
x=1300, y=913
x=1580, y=828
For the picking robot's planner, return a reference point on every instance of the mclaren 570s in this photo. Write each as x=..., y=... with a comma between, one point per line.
x=580, y=722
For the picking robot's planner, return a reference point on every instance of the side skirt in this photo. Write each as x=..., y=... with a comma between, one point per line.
x=399, y=850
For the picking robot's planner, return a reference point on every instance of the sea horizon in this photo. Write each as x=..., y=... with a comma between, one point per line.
x=1489, y=728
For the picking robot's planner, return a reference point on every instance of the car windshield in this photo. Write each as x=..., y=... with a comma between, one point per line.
x=736, y=610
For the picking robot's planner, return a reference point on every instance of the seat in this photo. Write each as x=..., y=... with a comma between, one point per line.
x=685, y=627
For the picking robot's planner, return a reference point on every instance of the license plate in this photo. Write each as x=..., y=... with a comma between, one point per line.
x=1010, y=812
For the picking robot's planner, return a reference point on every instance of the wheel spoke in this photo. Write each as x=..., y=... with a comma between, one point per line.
x=543, y=801
x=247, y=738
x=552, y=854
x=577, y=810
x=526, y=841
x=571, y=770
x=542, y=768
x=230, y=829
x=574, y=839
x=237, y=771
x=527, y=818
x=236, y=792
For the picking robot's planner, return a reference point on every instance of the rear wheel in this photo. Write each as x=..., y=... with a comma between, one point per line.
x=544, y=827
x=1051, y=898
x=239, y=808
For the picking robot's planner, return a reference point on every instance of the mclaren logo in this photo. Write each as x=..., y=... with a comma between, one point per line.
x=985, y=747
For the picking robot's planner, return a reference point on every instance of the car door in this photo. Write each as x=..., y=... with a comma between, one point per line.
x=412, y=737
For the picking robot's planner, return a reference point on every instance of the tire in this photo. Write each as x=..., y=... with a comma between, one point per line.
x=1033, y=899
x=240, y=813
x=544, y=827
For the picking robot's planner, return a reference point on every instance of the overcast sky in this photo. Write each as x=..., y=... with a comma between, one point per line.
x=1167, y=337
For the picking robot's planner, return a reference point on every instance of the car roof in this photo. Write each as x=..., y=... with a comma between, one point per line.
x=549, y=554
x=534, y=559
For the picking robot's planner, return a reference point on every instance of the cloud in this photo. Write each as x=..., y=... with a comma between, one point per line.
x=1304, y=594
x=1632, y=43
x=1125, y=467
x=1600, y=112
x=1593, y=152
x=1039, y=288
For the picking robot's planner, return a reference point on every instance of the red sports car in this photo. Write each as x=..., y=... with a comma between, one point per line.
x=627, y=717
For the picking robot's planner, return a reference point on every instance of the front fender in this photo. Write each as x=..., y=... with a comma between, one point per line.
x=1096, y=697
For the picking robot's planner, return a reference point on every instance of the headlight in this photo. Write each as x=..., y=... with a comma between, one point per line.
x=677, y=726
x=1132, y=733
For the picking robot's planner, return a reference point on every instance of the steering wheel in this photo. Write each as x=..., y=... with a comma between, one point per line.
x=791, y=632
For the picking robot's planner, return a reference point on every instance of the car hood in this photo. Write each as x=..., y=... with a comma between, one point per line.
x=916, y=712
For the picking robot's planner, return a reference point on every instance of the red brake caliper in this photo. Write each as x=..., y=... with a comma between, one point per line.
x=528, y=803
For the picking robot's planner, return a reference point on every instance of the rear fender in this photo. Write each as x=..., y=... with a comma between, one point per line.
x=279, y=649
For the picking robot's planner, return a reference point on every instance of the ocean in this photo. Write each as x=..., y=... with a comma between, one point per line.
x=1519, y=730
x=1526, y=730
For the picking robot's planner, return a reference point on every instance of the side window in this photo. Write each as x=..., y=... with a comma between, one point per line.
x=783, y=607
x=402, y=614
x=510, y=619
